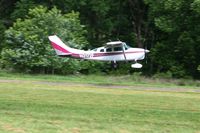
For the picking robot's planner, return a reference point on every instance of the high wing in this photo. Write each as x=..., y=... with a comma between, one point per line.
x=115, y=43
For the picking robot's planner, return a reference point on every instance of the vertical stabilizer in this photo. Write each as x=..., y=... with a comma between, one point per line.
x=59, y=46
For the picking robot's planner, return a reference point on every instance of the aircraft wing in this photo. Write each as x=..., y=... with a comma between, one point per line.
x=115, y=43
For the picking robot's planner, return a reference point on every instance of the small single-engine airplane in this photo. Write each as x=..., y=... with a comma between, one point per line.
x=112, y=51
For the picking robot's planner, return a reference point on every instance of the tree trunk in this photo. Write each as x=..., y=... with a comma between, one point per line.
x=137, y=9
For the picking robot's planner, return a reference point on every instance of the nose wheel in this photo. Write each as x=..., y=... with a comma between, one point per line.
x=136, y=65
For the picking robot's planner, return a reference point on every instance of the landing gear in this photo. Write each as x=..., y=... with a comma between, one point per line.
x=114, y=64
x=136, y=65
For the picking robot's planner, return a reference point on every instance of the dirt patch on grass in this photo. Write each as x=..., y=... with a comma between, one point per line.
x=8, y=127
x=109, y=86
x=124, y=131
x=75, y=130
x=131, y=87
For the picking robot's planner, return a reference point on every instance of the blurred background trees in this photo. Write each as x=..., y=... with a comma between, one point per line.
x=169, y=28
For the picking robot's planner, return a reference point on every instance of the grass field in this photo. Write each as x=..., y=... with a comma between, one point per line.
x=73, y=105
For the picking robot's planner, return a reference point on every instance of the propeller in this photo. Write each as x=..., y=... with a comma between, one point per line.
x=145, y=53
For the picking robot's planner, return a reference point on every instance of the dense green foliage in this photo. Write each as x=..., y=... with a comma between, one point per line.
x=177, y=43
x=27, y=47
x=170, y=29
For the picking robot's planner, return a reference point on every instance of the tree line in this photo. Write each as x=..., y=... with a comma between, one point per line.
x=169, y=28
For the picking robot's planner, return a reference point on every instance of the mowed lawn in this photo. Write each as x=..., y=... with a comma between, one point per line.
x=60, y=107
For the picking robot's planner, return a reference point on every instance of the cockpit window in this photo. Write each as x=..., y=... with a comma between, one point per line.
x=118, y=48
x=108, y=49
x=101, y=50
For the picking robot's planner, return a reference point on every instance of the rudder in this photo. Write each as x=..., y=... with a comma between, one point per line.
x=59, y=46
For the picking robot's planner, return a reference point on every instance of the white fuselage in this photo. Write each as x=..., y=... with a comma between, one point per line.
x=113, y=51
x=111, y=54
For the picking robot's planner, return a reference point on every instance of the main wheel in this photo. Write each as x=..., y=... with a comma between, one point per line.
x=113, y=64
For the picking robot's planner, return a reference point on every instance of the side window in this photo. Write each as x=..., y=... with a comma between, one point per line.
x=117, y=48
x=101, y=50
x=108, y=49
x=95, y=49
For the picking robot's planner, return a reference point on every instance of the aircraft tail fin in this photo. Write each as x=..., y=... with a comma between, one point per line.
x=60, y=48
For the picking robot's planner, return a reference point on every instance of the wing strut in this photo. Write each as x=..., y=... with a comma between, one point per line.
x=124, y=52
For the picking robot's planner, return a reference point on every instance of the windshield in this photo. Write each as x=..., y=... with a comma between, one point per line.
x=126, y=46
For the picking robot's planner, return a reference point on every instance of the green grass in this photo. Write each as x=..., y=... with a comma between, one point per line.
x=35, y=104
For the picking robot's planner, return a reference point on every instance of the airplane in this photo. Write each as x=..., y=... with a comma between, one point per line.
x=112, y=51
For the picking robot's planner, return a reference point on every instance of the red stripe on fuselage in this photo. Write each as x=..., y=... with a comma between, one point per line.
x=75, y=55
x=115, y=53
